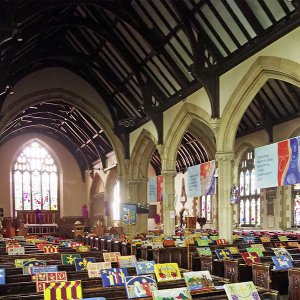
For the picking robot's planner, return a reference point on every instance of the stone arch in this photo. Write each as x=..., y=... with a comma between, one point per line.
x=141, y=155
x=264, y=68
x=182, y=121
x=111, y=179
x=73, y=99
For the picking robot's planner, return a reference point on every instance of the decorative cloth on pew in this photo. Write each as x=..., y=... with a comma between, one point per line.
x=63, y=290
x=282, y=262
x=27, y=265
x=42, y=278
x=69, y=259
x=198, y=281
x=223, y=254
x=173, y=294
x=50, y=249
x=126, y=261
x=81, y=263
x=204, y=251
x=144, y=267
x=94, y=268
x=113, y=276
x=111, y=256
x=140, y=286
x=250, y=258
x=167, y=271
x=241, y=291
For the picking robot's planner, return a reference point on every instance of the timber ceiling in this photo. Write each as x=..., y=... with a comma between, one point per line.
x=142, y=56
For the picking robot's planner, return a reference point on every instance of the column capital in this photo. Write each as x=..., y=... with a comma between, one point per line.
x=215, y=124
x=224, y=156
x=168, y=173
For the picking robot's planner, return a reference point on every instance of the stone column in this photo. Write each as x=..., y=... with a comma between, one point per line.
x=225, y=180
x=138, y=194
x=283, y=208
x=169, y=201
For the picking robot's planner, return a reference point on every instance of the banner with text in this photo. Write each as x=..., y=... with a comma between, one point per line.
x=152, y=189
x=201, y=179
x=278, y=164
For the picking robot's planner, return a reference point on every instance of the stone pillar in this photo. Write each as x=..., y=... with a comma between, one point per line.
x=225, y=181
x=283, y=208
x=138, y=194
x=169, y=201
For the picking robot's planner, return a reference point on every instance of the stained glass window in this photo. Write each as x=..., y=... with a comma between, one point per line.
x=35, y=179
x=206, y=208
x=249, y=210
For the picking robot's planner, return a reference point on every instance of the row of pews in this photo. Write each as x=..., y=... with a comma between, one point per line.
x=286, y=282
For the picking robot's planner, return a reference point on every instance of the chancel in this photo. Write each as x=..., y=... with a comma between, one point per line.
x=162, y=131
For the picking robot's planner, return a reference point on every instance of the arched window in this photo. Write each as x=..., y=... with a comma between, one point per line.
x=35, y=180
x=250, y=196
x=206, y=208
x=296, y=204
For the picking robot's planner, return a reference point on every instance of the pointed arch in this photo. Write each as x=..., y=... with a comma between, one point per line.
x=141, y=155
x=182, y=121
x=96, y=185
x=263, y=69
x=73, y=99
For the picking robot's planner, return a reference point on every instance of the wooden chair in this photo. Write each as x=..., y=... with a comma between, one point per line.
x=294, y=284
x=231, y=270
x=261, y=275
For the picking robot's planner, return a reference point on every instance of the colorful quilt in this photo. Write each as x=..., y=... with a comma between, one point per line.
x=65, y=290
x=198, y=281
x=16, y=250
x=250, y=258
x=19, y=262
x=81, y=263
x=140, y=286
x=257, y=250
x=223, y=254
x=260, y=246
x=221, y=242
x=293, y=244
x=265, y=239
x=126, y=261
x=111, y=256
x=282, y=262
x=233, y=250
x=204, y=251
x=94, y=268
x=172, y=294
x=113, y=276
x=202, y=243
x=144, y=267
x=249, y=239
x=283, y=238
x=27, y=265
x=50, y=249
x=167, y=271
x=241, y=291
x=282, y=251
x=83, y=249
x=69, y=259
x=42, y=278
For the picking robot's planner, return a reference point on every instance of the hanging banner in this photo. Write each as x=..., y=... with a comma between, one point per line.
x=207, y=178
x=128, y=214
x=278, y=164
x=152, y=189
x=160, y=188
x=193, y=181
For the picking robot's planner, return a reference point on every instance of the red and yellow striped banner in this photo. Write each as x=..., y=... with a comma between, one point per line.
x=63, y=290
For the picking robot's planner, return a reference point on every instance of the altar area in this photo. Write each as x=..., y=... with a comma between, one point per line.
x=43, y=223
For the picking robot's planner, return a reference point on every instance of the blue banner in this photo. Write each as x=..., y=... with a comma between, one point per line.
x=266, y=166
x=128, y=214
x=193, y=181
x=152, y=189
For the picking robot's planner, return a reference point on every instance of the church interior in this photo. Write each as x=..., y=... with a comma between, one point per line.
x=150, y=149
